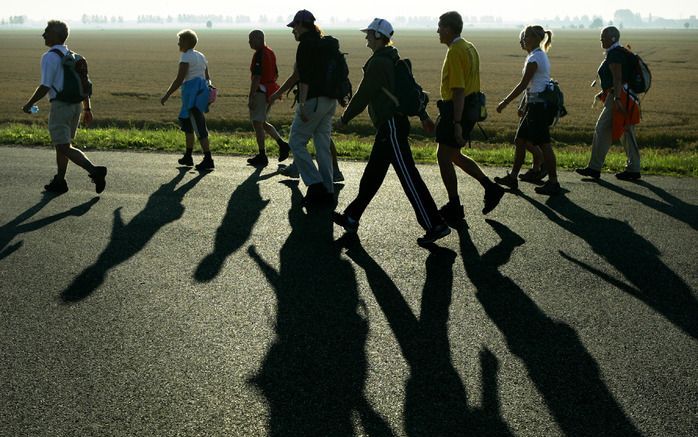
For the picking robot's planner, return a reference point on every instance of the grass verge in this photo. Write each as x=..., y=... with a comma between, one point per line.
x=676, y=161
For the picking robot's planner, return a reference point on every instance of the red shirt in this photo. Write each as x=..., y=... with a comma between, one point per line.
x=264, y=65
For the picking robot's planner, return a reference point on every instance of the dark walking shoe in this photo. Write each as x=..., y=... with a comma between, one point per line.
x=284, y=150
x=258, y=160
x=290, y=171
x=205, y=165
x=532, y=175
x=349, y=224
x=56, y=186
x=588, y=172
x=508, y=181
x=549, y=188
x=433, y=234
x=628, y=175
x=186, y=160
x=493, y=194
x=98, y=176
x=452, y=212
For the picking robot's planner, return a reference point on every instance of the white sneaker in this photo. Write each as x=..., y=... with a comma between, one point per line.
x=290, y=171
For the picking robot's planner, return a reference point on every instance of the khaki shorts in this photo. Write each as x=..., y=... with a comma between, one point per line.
x=261, y=109
x=63, y=121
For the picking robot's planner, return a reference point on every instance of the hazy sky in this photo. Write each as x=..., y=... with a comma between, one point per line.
x=510, y=10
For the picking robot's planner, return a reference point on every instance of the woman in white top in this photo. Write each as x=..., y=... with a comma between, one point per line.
x=534, y=127
x=194, y=79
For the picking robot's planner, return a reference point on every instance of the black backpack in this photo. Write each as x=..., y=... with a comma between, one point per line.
x=408, y=96
x=640, y=77
x=554, y=101
x=76, y=82
x=335, y=73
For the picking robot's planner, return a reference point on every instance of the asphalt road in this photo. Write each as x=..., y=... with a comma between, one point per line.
x=180, y=304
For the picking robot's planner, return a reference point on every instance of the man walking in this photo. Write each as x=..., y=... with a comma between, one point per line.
x=460, y=77
x=619, y=114
x=65, y=114
x=264, y=77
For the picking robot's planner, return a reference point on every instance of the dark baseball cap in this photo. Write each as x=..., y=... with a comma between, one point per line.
x=302, y=16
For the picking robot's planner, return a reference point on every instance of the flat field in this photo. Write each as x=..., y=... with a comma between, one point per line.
x=131, y=70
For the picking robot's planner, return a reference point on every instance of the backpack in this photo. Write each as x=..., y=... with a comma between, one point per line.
x=335, y=73
x=76, y=83
x=409, y=97
x=475, y=107
x=554, y=101
x=640, y=77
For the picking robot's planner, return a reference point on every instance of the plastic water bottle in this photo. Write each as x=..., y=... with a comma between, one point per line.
x=34, y=110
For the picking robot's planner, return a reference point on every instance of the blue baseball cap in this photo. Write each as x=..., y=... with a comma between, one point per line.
x=302, y=16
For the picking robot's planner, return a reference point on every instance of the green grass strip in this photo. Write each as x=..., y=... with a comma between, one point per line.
x=675, y=161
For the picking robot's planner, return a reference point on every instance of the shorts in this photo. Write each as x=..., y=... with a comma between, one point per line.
x=63, y=121
x=534, y=126
x=261, y=108
x=444, y=125
x=196, y=123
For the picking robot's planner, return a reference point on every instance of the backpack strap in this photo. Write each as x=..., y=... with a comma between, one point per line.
x=58, y=52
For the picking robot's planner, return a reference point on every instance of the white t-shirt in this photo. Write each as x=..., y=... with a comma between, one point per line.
x=52, y=71
x=541, y=77
x=197, y=64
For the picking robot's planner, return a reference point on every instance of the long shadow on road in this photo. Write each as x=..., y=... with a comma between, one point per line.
x=163, y=206
x=16, y=227
x=314, y=373
x=244, y=208
x=633, y=256
x=672, y=205
x=436, y=403
x=564, y=372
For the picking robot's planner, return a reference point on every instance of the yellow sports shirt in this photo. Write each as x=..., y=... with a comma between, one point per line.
x=461, y=69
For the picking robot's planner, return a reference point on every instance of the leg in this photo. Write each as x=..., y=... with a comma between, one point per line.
x=189, y=140
x=322, y=140
x=76, y=156
x=602, y=137
x=271, y=130
x=550, y=162
x=371, y=180
x=260, y=135
x=537, y=156
x=519, y=156
x=444, y=155
x=61, y=164
x=412, y=183
x=301, y=132
x=469, y=166
x=632, y=150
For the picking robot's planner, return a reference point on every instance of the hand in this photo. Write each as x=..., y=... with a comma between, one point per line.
x=339, y=124
x=520, y=113
x=27, y=109
x=503, y=104
x=164, y=99
x=458, y=134
x=86, y=117
x=428, y=125
x=275, y=96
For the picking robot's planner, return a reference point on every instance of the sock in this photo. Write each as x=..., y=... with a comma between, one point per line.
x=187, y=152
x=207, y=155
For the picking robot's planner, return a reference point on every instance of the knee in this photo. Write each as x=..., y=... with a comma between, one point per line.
x=62, y=148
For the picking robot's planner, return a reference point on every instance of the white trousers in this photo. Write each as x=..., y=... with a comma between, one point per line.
x=319, y=111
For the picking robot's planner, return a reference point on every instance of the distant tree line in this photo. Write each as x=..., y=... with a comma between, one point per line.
x=15, y=19
x=100, y=19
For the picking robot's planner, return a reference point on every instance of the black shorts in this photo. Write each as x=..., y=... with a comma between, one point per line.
x=534, y=126
x=196, y=123
x=444, y=125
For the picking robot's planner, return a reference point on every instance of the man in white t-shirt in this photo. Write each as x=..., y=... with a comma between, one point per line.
x=64, y=117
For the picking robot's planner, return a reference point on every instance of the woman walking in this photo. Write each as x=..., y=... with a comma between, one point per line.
x=534, y=127
x=194, y=79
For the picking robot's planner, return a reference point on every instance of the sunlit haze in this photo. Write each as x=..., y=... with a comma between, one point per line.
x=325, y=10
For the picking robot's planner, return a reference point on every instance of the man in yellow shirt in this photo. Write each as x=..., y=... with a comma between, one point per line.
x=460, y=77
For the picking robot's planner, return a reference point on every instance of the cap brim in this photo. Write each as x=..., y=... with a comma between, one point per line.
x=291, y=24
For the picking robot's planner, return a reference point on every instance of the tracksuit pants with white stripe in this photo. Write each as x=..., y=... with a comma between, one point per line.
x=391, y=146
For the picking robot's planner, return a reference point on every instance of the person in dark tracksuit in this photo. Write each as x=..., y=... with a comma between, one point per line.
x=391, y=144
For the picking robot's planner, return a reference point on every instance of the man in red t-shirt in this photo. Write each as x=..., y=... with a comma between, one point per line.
x=264, y=75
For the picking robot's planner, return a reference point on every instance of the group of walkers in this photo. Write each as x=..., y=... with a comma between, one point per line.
x=315, y=110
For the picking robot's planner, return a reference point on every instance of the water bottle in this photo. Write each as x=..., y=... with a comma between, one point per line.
x=34, y=110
